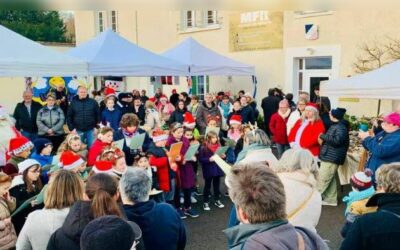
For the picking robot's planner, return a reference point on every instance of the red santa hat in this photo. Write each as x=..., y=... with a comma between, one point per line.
x=163, y=97
x=69, y=160
x=159, y=135
x=312, y=106
x=19, y=144
x=102, y=167
x=110, y=92
x=235, y=119
x=188, y=120
x=153, y=99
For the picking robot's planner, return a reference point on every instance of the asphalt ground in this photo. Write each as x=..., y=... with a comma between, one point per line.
x=205, y=231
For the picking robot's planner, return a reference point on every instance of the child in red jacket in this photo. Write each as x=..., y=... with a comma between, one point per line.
x=104, y=139
x=277, y=126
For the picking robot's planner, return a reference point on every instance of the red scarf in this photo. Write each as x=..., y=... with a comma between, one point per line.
x=213, y=147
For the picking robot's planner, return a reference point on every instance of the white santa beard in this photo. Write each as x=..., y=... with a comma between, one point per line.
x=6, y=133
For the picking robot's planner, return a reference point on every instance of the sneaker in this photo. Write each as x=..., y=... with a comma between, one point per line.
x=181, y=213
x=191, y=212
x=181, y=200
x=219, y=204
x=206, y=206
x=332, y=204
x=193, y=200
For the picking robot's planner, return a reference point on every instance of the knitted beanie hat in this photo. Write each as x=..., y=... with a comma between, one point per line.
x=361, y=180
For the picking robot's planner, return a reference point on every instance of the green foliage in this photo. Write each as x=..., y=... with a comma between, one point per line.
x=45, y=26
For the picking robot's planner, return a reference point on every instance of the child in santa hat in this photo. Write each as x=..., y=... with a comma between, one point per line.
x=25, y=186
x=19, y=150
x=184, y=171
x=109, y=93
x=235, y=125
x=143, y=162
x=117, y=157
x=73, y=162
x=104, y=139
x=73, y=143
x=159, y=159
x=189, y=123
x=356, y=200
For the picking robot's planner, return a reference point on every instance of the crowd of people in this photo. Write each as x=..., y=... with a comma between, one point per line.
x=70, y=178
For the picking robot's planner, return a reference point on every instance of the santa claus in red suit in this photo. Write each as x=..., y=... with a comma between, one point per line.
x=7, y=132
x=307, y=129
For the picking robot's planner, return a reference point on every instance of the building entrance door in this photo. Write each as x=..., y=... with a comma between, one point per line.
x=312, y=79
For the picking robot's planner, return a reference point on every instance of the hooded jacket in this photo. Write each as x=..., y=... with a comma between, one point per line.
x=161, y=225
x=67, y=237
x=272, y=235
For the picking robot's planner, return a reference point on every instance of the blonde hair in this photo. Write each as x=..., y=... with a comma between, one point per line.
x=64, y=189
x=65, y=145
x=150, y=105
x=315, y=116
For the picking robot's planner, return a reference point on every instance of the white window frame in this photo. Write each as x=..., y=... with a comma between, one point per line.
x=199, y=21
x=100, y=27
x=214, y=17
x=113, y=25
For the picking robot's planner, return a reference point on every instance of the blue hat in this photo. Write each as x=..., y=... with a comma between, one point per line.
x=338, y=113
x=41, y=143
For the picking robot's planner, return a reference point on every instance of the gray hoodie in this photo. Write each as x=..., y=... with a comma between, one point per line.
x=272, y=235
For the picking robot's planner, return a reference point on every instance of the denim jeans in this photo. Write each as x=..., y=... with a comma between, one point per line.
x=87, y=137
x=281, y=148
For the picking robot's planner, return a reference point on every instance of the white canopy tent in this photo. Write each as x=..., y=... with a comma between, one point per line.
x=20, y=56
x=109, y=54
x=382, y=83
x=203, y=61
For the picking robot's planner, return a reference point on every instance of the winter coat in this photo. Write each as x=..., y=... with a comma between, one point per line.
x=323, y=99
x=24, y=121
x=270, y=105
x=293, y=118
x=174, y=99
x=50, y=119
x=11, y=167
x=161, y=225
x=63, y=104
x=309, y=137
x=248, y=115
x=177, y=116
x=335, y=144
x=125, y=107
x=21, y=194
x=112, y=117
x=210, y=169
x=203, y=112
x=158, y=158
x=383, y=148
x=83, y=114
x=39, y=227
x=130, y=153
x=379, y=230
x=277, y=126
x=95, y=151
x=186, y=176
x=141, y=114
x=8, y=237
x=152, y=119
x=193, y=109
x=303, y=201
x=68, y=235
x=225, y=109
x=42, y=159
x=272, y=235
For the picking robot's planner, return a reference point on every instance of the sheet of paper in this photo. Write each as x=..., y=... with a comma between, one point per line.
x=175, y=150
x=120, y=144
x=215, y=129
x=229, y=142
x=225, y=167
x=40, y=197
x=192, y=151
x=221, y=150
x=24, y=205
x=137, y=141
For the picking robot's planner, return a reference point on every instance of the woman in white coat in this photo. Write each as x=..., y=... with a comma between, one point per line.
x=298, y=171
x=64, y=189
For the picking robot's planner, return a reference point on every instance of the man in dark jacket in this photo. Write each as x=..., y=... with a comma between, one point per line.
x=262, y=211
x=335, y=144
x=139, y=110
x=174, y=98
x=270, y=105
x=83, y=116
x=206, y=108
x=160, y=223
x=379, y=230
x=124, y=102
x=25, y=114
